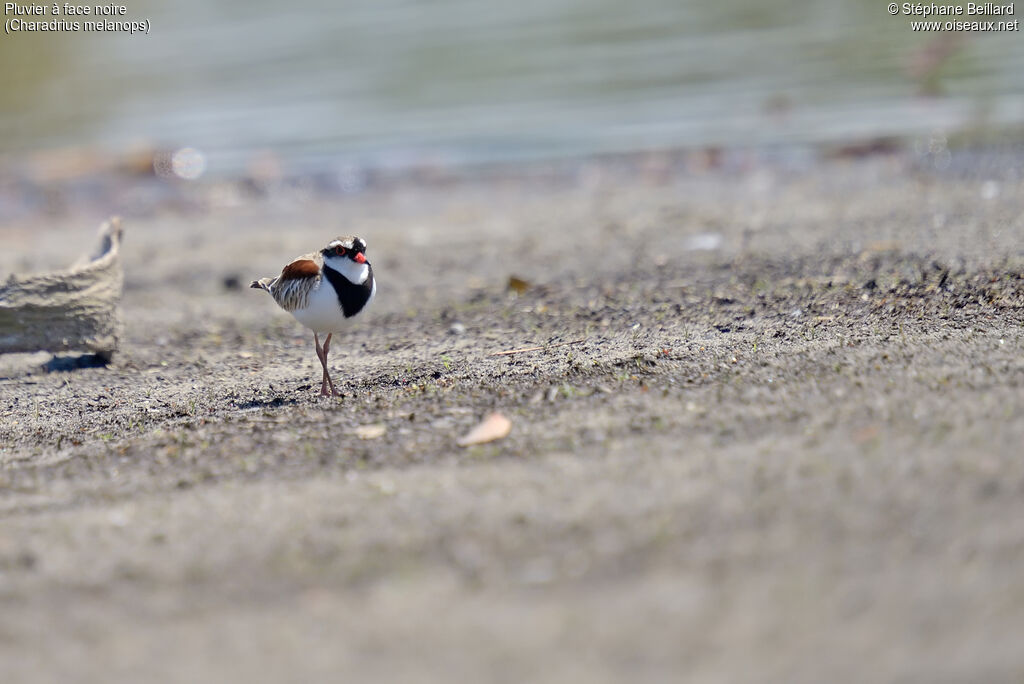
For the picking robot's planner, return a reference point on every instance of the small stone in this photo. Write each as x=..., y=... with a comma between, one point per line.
x=372, y=431
x=518, y=285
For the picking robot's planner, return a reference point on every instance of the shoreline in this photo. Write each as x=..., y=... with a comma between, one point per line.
x=62, y=180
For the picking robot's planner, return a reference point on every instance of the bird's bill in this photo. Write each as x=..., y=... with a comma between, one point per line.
x=359, y=258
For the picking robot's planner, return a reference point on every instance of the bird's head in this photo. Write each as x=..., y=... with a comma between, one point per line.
x=347, y=255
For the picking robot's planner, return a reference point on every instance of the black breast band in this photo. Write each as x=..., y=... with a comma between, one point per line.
x=351, y=296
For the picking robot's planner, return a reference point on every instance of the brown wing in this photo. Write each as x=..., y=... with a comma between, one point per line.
x=303, y=267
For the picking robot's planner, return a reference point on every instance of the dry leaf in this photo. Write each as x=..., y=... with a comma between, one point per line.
x=493, y=427
x=373, y=431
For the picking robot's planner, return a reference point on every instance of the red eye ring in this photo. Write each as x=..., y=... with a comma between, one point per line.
x=340, y=251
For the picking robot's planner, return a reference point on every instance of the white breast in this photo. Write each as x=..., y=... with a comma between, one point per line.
x=356, y=273
x=322, y=312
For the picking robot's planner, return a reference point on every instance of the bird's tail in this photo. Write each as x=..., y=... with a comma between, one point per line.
x=262, y=284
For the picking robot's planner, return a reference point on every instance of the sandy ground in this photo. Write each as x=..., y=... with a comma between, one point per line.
x=787, y=447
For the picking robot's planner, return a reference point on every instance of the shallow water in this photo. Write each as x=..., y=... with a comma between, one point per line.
x=393, y=82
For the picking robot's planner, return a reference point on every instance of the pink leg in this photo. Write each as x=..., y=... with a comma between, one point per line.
x=321, y=353
x=327, y=376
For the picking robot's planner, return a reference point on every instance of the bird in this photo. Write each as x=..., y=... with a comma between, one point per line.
x=324, y=289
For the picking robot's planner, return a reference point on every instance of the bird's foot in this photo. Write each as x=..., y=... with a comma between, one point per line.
x=329, y=391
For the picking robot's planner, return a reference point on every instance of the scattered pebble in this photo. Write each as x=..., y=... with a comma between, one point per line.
x=704, y=242
x=518, y=285
x=989, y=190
x=384, y=485
x=372, y=431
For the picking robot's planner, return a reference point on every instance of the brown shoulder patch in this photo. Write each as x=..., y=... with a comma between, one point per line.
x=300, y=268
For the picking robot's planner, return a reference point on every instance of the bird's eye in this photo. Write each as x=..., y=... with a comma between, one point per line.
x=340, y=251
